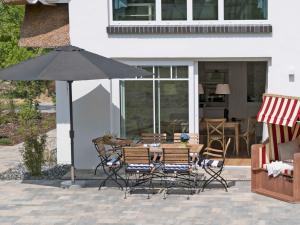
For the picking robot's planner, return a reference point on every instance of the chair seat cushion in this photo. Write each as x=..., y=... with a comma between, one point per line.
x=113, y=162
x=180, y=168
x=211, y=163
x=139, y=168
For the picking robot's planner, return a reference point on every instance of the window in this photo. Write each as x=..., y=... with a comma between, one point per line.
x=133, y=10
x=158, y=105
x=205, y=9
x=246, y=9
x=173, y=10
x=256, y=80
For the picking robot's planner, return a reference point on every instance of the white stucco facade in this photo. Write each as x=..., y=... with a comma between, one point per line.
x=97, y=103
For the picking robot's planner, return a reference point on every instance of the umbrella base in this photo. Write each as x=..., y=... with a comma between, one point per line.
x=76, y=185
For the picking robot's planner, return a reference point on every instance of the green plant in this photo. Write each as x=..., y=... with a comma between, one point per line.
x=5, y=141
x=34, y=142
x=33, y=153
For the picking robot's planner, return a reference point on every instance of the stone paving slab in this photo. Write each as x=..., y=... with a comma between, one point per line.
x=229, y=173
x=9, y=156
x=44, y=203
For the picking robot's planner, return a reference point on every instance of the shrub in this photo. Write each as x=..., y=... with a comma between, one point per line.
x=34, y=142
x=5, y=141
x=33, y=154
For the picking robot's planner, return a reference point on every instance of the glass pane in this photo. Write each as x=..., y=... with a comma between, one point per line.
x=137, y=108
x=205, y=9
x=134, y=9
x=163, y=72
x=245, y=9
x=174, y=106
x=173, y=10
x=256, y=80
x=149, y=69
x=180, y=72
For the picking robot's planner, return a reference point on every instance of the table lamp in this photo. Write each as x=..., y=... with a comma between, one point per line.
x=224, y=89
x=200, y=89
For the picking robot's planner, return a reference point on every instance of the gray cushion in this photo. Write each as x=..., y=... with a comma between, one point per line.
x=288, y=149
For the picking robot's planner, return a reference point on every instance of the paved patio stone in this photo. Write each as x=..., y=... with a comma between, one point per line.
x=42, y=203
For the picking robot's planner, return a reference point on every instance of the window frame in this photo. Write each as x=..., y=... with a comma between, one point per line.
x=158, y=20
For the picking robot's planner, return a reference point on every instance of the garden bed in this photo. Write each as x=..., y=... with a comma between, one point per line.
x=10, y=135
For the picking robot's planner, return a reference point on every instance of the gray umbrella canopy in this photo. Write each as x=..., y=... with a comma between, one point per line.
x=70, y=63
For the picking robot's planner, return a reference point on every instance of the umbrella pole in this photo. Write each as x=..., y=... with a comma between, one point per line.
x=71, y=132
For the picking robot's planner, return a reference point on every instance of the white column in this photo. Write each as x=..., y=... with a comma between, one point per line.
x=221, y=10
x=158, y=10
x=191, y=99
x=115, y=107
x=63, y=123
x=196, y=98
x=189, y=10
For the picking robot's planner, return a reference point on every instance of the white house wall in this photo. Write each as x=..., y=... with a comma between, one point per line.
x=96, y=111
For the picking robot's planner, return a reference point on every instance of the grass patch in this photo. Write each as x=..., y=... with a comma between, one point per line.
x=5, y=141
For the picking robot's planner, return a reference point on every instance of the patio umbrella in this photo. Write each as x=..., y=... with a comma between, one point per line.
x=70, y=64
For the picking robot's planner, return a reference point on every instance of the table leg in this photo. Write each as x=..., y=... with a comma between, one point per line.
x=237, y=140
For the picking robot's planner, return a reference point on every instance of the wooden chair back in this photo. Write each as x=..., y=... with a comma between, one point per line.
x=194, y=138
x=100, y=146
x=136, y=155
x=149, y=138
x=176, y=155
x=215, y=128
x=226, y=148
x=218, y=153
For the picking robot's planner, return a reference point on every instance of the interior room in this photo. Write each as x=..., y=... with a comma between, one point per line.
x=232, y=90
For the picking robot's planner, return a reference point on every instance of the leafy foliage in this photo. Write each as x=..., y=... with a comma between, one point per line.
x=33, y=154
x=11, y=18
x=29, y=116
x=34, y=143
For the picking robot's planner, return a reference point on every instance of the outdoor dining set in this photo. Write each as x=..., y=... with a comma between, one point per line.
x=154, y=160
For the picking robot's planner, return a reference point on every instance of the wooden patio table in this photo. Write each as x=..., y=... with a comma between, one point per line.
x=195, y=149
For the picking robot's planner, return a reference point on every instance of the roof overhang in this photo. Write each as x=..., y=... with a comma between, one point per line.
x=45, y=32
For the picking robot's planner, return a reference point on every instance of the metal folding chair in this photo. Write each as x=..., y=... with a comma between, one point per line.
x=111, y=164
x=137, y=162
x=213, y=163
x=178, y=166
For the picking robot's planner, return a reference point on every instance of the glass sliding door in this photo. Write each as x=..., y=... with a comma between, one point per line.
x=136, y=108
x=158, y=105
x=173, y=107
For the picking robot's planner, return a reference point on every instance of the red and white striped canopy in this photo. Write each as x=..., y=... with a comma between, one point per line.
x=280, y=110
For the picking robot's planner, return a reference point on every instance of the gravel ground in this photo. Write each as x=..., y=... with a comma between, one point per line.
x=19, y=172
